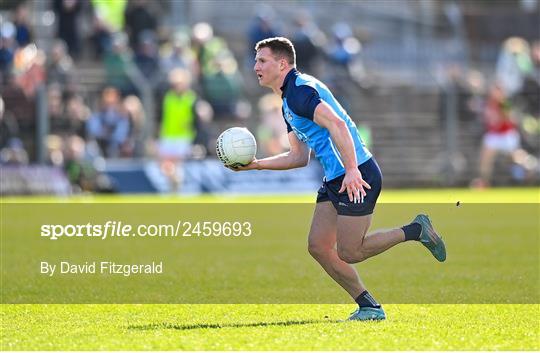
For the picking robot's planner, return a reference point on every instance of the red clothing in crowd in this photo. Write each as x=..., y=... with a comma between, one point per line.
x=497, y=119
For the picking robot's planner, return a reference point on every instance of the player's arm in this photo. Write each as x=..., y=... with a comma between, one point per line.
x=296, y=157
x=353, y=182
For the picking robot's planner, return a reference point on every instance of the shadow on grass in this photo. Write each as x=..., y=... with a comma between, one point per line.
x=170, y=326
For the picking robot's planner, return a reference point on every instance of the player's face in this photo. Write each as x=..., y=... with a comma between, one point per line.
x=266, y=67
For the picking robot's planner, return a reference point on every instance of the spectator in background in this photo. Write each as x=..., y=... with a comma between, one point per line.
x=65, y=121
x=343, y=47
x=80, y=170
x=55, y=107
x=120, y=69
x=308, y=41
x=67, y=12
x=222, y=88
x=206, y=47
x=343, y=53
x=8, y=45
x=11, y=147
x=77, y=113
x=60, y=69
x=261, y=27
x=67, y=115
x=147, y=57
x=8, y=126
x=110, y=127
x=9, y=129
x=177, y=54
x=55, y=153
x=218, y=72
x=29, y=68
x=22, y=108
x=108, y=19
x=137, y=118
x=513, y=65
x=501, y=135
x=530, y=93
x=23, y=29
x=535, y=58
x=179, y=124
x=19, y=91
x=138, y=19
x=528, y=99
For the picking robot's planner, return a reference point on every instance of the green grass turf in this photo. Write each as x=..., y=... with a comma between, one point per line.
x=496, y=195
x=267, y=327
x=318, y=326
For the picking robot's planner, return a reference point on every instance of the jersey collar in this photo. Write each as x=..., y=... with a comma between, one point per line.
x=289, y=77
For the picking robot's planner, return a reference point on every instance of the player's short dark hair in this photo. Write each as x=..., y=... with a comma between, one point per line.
x=280, y=46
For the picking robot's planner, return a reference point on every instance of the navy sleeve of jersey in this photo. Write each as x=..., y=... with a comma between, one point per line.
x=289, y=128
x=303, y=101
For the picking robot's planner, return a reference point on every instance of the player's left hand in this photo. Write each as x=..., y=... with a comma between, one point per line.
x=354, y=185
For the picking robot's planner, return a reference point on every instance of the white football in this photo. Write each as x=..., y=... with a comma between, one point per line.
x=236, y=147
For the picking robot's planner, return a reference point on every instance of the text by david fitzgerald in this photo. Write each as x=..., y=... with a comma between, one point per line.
x=102, y=267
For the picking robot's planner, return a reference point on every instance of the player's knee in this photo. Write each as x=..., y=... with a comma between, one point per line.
x=317, y=250
x=349, y=256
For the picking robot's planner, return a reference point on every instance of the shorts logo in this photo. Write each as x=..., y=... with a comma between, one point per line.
x=343, y=204
x=288, y=116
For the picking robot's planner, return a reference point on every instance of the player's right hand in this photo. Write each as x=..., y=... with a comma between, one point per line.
x=252, y=165
x=354, y=184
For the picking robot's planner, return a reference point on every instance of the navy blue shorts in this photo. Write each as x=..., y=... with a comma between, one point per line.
x=329, y=191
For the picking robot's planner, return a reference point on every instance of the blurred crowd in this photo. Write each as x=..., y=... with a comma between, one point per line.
x=197, y=83
x=167, y=92
x=505, y=106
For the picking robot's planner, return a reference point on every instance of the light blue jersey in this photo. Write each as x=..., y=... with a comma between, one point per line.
x=301, y=95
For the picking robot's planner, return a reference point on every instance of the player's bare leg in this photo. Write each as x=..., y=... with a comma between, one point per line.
x=322, y=246
x=487, y=159
x=355, y=245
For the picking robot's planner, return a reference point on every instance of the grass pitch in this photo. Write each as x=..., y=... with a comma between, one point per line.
x=267, y=327
x=302, y=326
